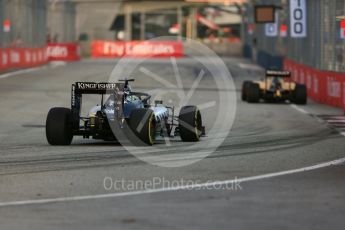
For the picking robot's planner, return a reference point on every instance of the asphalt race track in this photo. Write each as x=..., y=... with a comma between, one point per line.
x=264, y=139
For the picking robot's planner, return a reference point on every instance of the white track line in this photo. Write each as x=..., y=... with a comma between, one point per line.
x=18, y=72
x=335, y=117
x=320, y=120
x=335, y=121
x=299, y=109
x=52, y=64
x=177, y=188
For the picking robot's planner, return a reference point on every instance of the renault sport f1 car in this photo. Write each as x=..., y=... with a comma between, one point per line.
x=276, y=87
x=123, y=110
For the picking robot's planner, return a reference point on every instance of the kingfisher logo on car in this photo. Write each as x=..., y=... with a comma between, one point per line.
x=102, y=86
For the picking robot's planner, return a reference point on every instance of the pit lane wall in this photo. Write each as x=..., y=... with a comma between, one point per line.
x=325, y=87
x=18, y=58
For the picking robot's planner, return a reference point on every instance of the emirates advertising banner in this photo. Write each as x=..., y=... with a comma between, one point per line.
x=110, y=49
x=298, y=18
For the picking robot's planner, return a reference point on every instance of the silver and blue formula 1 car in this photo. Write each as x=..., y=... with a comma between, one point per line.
x=123, y=115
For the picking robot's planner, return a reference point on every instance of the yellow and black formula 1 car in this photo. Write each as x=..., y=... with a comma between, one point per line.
x=276, y=87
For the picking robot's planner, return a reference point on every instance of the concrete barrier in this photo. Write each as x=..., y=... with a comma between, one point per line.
x=151, y=49
x=22, y=58
x=17, y=58
x=63, y=52
x=323, y=86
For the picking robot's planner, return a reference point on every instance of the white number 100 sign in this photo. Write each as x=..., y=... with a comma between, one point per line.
x=298, y=16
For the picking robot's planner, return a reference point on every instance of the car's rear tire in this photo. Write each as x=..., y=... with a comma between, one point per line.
x=300, y=94
x=244, y=91
x=190, y=124
x=59, y=126
x=142, y=123
x=253, y=93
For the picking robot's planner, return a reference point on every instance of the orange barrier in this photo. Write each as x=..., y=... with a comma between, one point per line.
x=323, y=86
x=151, y=49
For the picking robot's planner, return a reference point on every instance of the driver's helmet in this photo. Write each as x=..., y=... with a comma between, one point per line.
x=131, y=98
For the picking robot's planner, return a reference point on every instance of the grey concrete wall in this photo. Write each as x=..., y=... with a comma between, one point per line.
x=28, y=22
x=61, y=21
x=95, y=19
x=1, y=20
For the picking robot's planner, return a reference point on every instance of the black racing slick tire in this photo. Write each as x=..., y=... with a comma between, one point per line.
x=244, y=90
x=59, y=126
x=190, y=124
x=300, y=94
x=253, y=93
x=142, y=123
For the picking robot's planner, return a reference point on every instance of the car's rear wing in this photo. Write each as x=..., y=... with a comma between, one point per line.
x=80, y=88
x=97, y=88
x=275, y=73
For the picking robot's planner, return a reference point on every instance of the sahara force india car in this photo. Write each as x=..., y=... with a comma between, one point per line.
x=125, y=111
x=276, y=87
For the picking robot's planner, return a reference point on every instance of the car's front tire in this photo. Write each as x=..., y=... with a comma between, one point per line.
x=59, y=126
